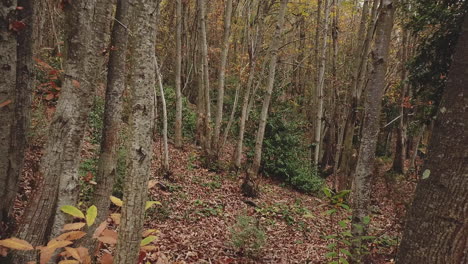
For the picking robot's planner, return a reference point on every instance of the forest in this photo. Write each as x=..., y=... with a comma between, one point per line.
x=233, y=131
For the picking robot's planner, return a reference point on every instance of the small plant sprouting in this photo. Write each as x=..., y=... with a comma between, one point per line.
x=246, y=236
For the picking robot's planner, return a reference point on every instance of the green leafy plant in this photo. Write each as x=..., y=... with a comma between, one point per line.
x=246, y=236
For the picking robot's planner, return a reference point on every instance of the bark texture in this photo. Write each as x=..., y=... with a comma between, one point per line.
x=436, y=231
x=249, y=186
x=60, y=162
x=178, y=69
x=107, y=166
x=141, y=85
x=221, y=77
x=371, y=124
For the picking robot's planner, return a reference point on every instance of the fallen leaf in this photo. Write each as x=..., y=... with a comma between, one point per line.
x=73, y=235
x=74, y=226
x=15, y=243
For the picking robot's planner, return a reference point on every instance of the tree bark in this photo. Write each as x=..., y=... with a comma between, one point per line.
x=15, y=115
x=142, y=83
x=166, y=168
x=371, y=124
x=116, y=76
x=178, y=69
x=221, y=77
x=436, y=231
x=249, y=186
x=321, y=83
x=60, y=163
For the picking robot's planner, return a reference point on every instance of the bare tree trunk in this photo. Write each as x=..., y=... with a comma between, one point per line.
x=116, y=76
x=166, y=168
x=371, y=124
x=178, y=69
x=416, y=143
x=222, y=70
x=321, y=83
x=60, y=162
x=400, y=151
x=253, y=53
x=231, y=118
x=249, y=187
x=206, y=81
x=15, y=114
x=142, y=81
x=436, y=231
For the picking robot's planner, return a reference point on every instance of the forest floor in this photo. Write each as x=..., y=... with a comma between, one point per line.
x=200, y=208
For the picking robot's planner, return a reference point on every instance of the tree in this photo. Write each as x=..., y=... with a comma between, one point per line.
x=249, y=186
x=116, y=76
x=17, y=79
x=60, y=162
x=178, y=69
x=141, y=85
x=371, y=123
x=436, y=228
x=222, y=70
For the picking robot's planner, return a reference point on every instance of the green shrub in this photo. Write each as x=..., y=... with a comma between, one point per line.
x=246, y=236
x=189, y=116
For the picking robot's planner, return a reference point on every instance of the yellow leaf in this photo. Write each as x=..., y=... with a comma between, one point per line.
x=15, y=243
x=54, y=244
x=74, y=226
x=147, y=240
x=72, y=210
x=70, y=261
x=151, y=203
x=91, y=214
x=73, y=235
x=116, y=201
x=74, y=253
x=149, y=232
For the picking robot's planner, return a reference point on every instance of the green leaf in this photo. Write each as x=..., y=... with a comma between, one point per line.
x=147, y=240
x=330, y=236
x=333, y=262
x=359, y=227
x=331, y=255
x=331, y=246
x=426, y=174
x=91, y=215
x=342, y=224
x=151, y=203
x=342, y=193
x=368, y=237
x=72, y=210
x=345, y=251
x=344, y=261
x=344, y=206
x=330, y=212
x=366, y=220
x=346, y=242
x=327, y=192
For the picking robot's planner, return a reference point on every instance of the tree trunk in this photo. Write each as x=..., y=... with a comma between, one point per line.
x=15, y=115
x=116, y=76
x=178, y=69
x=253, y=54
x=436, y=231
x=371, y=124
x=60, y=163
x=142, y=83
x=321, y=83
x=165, y=159
x=222, y=70
x=249, y=186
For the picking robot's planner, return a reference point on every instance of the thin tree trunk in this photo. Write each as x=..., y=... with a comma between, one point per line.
x=371, y=124
x=321, y=83
x=116, y=76
x=206, y=81
x=436, y=231
x=221, y=77
x=60, y=163
x=178, y=69
x=253, y=53
x=400, y=151
x=249, y=186
x=416, y=143
x=231, y=118
x=141, y=85
x=166, y=168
